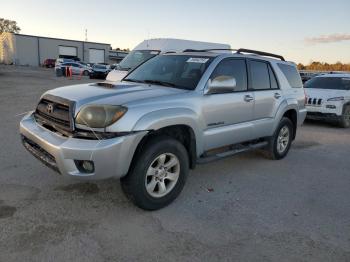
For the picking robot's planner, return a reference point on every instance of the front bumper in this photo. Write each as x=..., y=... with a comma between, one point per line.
x=324, y=113
x=322, y=116
x=111, y=157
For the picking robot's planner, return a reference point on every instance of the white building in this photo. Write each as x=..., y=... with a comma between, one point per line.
x=31, y=50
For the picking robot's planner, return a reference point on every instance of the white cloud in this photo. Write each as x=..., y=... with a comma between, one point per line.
x=332, y=38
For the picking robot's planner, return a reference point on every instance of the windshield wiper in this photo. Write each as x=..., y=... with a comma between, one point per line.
x=158, y=82
x=133, y=80
x=124, y=68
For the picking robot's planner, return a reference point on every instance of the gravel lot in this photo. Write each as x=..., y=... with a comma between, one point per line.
x=244, y=208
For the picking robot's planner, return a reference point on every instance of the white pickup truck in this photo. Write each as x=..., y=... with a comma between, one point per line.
x=153, y=47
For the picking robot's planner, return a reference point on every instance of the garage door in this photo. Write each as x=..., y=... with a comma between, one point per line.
x=67, y=51
x=96, y=55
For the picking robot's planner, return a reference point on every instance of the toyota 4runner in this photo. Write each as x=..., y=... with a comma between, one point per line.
x=167, y=115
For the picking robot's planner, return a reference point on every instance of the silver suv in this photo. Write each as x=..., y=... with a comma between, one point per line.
x=167, y=115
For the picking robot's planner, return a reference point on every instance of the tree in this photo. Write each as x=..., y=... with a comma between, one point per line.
x=301, y=66
x=8, y=26
x=321, y=66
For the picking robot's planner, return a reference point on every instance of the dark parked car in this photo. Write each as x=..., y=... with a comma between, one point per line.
x=49, y=63
x=100, y=71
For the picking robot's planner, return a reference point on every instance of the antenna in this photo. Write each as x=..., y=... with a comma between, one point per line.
x=86, y=38
x=147, y=38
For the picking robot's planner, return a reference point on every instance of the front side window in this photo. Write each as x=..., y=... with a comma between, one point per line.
x=260, y=79
x=178, y=71
x=273, y=80
x=336, y=83
x=235, y=68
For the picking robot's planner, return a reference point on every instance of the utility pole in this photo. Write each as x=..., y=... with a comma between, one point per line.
x=86, y=38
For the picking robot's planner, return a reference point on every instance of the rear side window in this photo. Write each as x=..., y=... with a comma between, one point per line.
x=273, y=79
x=259, y=72
x=234, y=68
x=292, y=75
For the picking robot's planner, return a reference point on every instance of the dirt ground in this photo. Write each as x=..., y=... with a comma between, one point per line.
x=243, y=208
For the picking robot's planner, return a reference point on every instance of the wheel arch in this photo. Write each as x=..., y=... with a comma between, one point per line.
x=290, y=111
x=180, y=124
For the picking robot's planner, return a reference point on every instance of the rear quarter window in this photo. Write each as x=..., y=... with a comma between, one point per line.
x=292, y=75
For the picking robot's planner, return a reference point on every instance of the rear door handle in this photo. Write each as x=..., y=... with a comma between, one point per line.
x=277, y=95
x=248, y=98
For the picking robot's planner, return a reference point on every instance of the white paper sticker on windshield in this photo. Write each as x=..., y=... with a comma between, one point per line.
x=154, y=52
x=199, y=60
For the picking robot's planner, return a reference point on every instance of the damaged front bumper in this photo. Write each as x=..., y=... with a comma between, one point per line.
x=110, y=157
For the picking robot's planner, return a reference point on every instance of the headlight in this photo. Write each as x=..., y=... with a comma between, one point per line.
x=339, y=98
x=99, y=116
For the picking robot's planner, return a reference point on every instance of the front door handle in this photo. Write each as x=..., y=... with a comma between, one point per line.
x=277, y=95
x=248, y=98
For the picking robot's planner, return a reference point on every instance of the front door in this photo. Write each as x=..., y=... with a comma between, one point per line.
x=228, y=116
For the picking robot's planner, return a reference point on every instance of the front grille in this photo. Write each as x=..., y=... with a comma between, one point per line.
x=314, y=101
x=56, y=113
x=40, y=153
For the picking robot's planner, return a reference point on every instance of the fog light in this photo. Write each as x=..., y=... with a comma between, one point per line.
x=85, y=166
x=331, y=106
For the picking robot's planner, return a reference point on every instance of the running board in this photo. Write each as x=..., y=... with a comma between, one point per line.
x=211, y=158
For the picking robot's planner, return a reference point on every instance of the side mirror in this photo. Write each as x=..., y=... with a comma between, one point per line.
x=220, y=85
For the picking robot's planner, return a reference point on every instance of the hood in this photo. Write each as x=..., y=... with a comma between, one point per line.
x=116, y=75
x=112, y=94
x=325, y=93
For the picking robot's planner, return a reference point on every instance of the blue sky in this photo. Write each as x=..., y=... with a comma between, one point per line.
x=300, y=30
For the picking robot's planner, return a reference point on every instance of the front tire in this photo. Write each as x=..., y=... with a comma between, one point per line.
x=158, y=173
x=345, y=118
x=86, y=73
x=280, y=142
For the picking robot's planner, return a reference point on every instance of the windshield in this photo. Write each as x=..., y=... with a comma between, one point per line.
x=336, y=83
x=179, y=71
x=100, y=66
x=135, y=58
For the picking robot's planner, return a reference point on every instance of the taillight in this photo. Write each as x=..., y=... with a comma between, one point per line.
x=305, y=99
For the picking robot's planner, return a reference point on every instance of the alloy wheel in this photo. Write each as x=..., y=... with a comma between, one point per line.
x=162, y=175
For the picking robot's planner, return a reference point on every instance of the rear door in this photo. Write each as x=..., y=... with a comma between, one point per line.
x=228, y=116
x=268, y=96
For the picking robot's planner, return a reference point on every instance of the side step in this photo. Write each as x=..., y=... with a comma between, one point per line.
x=221, y=155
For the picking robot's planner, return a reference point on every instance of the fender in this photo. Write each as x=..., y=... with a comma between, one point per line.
x=283, y=108
x=169, y=117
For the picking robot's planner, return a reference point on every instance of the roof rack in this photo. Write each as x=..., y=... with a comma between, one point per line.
x=239, y=51
x=243, y=50
x=208, y=50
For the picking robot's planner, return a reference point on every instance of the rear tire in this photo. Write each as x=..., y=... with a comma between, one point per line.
x=345, y=118
x=158, y=173
x=280, y=142
x=86, y=73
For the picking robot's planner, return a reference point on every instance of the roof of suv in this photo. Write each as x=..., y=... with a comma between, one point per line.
x=216, y=53
x=209, y=54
